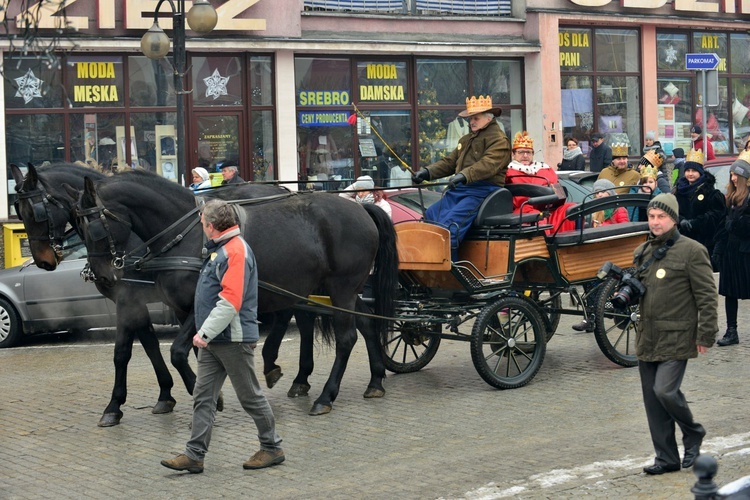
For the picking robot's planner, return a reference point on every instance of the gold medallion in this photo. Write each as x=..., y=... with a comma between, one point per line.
x=622, y=183
x=700, y=197
x=661, y=273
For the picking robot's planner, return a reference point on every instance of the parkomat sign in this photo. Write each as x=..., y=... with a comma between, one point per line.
x=715, y=6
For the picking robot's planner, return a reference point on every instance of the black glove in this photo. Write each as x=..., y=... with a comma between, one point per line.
x=421, y=176
x=456, y=180
x=686, y=226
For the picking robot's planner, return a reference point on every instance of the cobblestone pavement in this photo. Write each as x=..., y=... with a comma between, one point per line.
x=578, y=429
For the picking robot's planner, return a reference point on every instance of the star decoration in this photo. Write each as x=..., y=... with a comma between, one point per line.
x=216, y=85
x=670, y=55
x=29, y=87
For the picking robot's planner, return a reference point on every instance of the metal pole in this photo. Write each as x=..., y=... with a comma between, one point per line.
x=705, y=115
x=178, y=53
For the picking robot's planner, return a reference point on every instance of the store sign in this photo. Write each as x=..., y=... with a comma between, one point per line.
x=323, y=98
x=97, y=83
x=323, y=118
x=569, y=42
x=48, y=18
x=379, y=87
x=710, y=6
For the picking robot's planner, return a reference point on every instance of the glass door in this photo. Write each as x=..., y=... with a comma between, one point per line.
x=217, y=141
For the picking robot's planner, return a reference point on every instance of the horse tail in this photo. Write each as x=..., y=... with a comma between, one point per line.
x=385, y=273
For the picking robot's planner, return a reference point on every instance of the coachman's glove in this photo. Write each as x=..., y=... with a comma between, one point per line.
x=456, y=180
x=421, y=176
x=686, y=226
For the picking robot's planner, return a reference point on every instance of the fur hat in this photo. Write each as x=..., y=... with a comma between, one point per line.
x=619, y=149
x=604, y=185
x=741, y=165
x=364, y=182
x=668, y=203
x=481, y=104
x=522, y=140
x=694, y=160
x=650, y=135
x=202, y=172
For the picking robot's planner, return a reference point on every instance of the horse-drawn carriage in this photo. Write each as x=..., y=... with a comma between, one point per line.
x=504, y=294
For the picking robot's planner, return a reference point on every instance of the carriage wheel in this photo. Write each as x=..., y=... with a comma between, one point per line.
x=614, y=327
x=549, y=301
x=411, y=346
x=508, y=342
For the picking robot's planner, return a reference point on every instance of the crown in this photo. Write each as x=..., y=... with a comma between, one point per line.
x=695, y=156
x=522, y=140
x=744, y=156
x=648, y=171
x=619, y=149
x=478, y=104
x=654, y=158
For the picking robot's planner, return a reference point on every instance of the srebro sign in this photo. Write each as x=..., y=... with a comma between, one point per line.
x=715, y=6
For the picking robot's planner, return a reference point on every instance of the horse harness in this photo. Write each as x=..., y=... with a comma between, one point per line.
x=41, y=213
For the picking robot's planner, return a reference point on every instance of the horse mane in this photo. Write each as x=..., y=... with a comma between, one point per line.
x=152, y=182
x=53, y=175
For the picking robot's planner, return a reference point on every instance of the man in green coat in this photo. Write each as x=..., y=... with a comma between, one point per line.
x=672, y=331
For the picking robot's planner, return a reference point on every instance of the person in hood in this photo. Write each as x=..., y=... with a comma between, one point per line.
x=678, y=164
x=702, y=206
x=201, y=180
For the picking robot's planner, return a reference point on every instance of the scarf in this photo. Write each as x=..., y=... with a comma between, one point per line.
x=527, y=169
x=684, y=188
x=569, y=154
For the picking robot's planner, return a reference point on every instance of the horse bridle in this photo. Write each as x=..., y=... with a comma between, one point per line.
x=41, y=213
x=98, y=229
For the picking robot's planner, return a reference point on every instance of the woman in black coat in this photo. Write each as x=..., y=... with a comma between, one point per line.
x=702, y=206
x=573, y=158
x=732, y=250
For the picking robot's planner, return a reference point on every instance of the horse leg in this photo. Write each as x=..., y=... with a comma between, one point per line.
x=366, y=327
x=272, y=344
x=346, y=337
x=179, y=350
x=123, y=352
x=306, y=325
x=165, y=403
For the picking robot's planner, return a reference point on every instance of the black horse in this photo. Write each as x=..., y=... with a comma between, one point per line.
x=302, y=242
x=46, y=209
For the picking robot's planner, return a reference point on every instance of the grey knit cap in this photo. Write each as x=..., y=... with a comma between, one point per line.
x=668, y=203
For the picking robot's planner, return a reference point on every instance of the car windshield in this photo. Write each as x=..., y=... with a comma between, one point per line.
x=73, y=247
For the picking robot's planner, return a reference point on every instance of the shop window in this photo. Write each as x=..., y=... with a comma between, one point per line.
x=261, y=81
x=151, y=82
x=604, y=97
x=671, y=49
x=263, y=159
x=499, y=79
x=94, y=140
x=441, y=81
x=382, y=81
x=217, y=81
x=323, y=82
x=741, y=112
x=149, y=131
x=675, y=113
x=95, y=81
x=740, y=46
x=30, y=84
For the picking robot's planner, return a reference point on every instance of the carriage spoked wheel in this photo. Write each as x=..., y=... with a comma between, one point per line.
x=549, y=302
x=411, y=345
x=615, y=327
x=508, y=342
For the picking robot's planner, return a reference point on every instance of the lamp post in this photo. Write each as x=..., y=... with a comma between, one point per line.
x=202, y=19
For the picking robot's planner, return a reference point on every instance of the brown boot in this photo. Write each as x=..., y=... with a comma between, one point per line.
x=184, y=462
x=264, y=458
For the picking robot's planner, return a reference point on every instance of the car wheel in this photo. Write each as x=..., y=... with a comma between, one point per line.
x=10, y=325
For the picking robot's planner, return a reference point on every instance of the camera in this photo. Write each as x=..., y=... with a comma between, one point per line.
x=630, y=290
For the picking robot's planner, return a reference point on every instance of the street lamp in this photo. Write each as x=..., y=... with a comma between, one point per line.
x=202, y=19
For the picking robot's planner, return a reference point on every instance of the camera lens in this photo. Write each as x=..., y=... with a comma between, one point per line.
x=622, y=298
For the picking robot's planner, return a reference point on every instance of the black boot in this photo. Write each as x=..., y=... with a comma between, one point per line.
x=730, y=338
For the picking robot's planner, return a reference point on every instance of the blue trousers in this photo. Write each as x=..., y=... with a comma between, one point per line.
x=457, y=210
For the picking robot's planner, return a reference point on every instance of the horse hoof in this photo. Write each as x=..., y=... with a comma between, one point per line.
x=298, y=390
x=320, y=409
x=110, y=419
x=220, y=401
x=374, y=392
x=273, y=376
x=162, y=407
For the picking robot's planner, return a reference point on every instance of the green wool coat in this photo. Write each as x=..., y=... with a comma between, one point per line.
x=480, y=156
x=679, y=310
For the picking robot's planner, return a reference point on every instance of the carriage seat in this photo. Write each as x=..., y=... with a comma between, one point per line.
x=497, y=211
x=612, y=231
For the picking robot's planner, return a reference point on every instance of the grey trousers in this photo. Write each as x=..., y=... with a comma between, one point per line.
x=666, y=405
x=215, y=363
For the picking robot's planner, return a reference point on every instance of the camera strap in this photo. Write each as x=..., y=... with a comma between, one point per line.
x=658, y=254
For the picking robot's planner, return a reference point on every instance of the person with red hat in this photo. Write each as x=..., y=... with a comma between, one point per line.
x=696, y=135
x=476, y=167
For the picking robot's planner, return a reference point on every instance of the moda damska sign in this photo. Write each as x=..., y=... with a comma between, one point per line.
x=715, y=6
